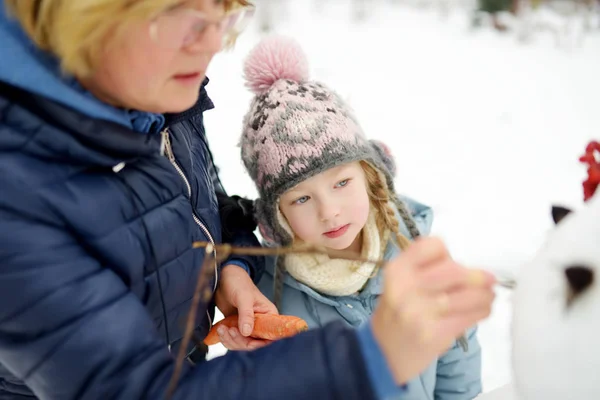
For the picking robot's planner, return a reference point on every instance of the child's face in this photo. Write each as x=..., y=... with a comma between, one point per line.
x=329, y=209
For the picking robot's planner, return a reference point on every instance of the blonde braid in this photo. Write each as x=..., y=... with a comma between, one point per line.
x=380, y=197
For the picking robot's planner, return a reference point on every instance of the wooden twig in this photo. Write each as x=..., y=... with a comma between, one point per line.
x=277, y=251
x=507, y=283
x=204, y=293
x=225, y=250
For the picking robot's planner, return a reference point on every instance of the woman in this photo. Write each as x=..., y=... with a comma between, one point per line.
x=101, y=201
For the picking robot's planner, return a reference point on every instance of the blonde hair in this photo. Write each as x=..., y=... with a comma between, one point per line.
x=382, y=201
x=77, y=42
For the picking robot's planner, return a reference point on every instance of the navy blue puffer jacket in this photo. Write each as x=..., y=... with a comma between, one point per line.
x=97, y=269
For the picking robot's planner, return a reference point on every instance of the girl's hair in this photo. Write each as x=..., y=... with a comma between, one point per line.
x=74, y=30
x=383, y=200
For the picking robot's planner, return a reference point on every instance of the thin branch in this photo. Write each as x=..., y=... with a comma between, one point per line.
x=277, y=251
x=225, y=250
x=507, y=283
x=204, y=293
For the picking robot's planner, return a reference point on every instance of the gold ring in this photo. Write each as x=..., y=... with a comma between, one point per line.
x=442, y=304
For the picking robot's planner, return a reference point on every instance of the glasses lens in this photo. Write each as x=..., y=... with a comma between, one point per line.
x=174, y=30
x=180, y=28
x=235, y=23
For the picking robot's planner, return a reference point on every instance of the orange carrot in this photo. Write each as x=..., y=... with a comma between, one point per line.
x=266, y=326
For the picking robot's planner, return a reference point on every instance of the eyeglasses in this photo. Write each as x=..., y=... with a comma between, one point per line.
x=180, y=28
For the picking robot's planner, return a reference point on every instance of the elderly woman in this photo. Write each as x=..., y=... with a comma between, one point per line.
x=106, y=179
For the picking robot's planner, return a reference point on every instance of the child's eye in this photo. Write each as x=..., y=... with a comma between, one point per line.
x=301, y=200
x=342, y=183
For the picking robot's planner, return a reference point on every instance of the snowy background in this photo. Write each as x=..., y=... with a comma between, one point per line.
x=485, y=129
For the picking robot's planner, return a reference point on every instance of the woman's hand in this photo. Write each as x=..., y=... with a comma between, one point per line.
x=237, y=294
x=428, y=301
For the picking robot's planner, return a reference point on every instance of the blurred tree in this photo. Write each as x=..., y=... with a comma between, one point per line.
x=494, y=7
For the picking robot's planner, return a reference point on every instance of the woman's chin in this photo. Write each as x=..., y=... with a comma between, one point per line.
x=176, y=101
x=178, y=104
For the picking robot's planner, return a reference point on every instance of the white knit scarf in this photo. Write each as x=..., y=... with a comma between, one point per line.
x=336, y=277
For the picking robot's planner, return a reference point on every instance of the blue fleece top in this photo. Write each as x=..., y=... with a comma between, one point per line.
x=27, y=67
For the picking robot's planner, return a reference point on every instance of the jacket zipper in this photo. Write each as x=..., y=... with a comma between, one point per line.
x=168, y=151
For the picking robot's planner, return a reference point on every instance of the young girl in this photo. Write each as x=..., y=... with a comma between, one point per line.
x=321, y=182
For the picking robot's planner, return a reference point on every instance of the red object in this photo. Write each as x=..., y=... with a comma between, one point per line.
x=266, y=326
x=593, y=178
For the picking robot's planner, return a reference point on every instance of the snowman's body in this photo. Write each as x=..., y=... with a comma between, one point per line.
x=556, y=313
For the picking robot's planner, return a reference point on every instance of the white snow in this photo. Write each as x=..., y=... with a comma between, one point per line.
x=484, y=129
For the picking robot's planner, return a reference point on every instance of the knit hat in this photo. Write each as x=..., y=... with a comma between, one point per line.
x=296, y=129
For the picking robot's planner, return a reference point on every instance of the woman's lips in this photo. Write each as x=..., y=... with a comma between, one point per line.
x=335, y=233
x=190, y=78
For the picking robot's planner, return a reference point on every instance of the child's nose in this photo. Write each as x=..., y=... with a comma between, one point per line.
x=327, y=212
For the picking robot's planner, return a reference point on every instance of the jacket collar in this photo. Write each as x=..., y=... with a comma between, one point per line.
x=47, y=129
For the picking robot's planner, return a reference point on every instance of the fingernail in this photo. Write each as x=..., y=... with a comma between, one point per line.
x=475, y=277
x=246, y=330
x=233, y=333
x=221, y=331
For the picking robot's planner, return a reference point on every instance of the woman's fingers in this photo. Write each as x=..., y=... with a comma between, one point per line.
x=400, y=273
x=469, y=300
x=258, y=343
x=427, y=302
x=232, y=339
x=458, y=310
x=448, y=276
x=455, y=325
x=424, y=252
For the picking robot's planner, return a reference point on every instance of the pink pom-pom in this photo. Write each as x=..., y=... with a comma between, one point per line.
x=275, y=58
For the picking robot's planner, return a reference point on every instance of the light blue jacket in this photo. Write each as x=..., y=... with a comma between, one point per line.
x=454, y=376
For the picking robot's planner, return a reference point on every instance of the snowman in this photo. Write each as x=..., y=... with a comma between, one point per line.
x=556, y=306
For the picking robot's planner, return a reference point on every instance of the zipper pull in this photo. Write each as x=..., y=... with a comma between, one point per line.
x=165, y=146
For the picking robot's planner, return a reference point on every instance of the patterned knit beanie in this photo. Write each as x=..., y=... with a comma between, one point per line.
x=296, y=129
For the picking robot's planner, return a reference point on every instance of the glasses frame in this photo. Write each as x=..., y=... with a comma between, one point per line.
x=244, y=16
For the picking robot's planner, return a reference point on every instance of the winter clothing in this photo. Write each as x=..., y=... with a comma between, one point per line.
x=456, y=375
x=295, y=129
x=97, y=270
x=337, y=277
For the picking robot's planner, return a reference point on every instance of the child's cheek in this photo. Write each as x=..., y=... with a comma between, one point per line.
x=360, y=206
x=303, y=227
